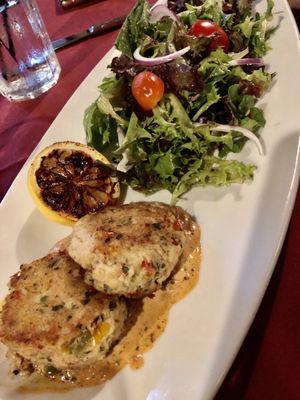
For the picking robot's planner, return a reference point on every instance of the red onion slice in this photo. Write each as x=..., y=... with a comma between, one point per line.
x=160, y=3
x=159, y=11
x=247, y=61
x=250, y=135
x=158, y=60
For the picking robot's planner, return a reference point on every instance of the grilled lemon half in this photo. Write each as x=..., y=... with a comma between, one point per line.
x=68, y=180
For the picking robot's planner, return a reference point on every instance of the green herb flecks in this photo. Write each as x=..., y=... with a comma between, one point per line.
x=50, y=371
x=80, y=343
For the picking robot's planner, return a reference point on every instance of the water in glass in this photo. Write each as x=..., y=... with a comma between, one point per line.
x=28, y=63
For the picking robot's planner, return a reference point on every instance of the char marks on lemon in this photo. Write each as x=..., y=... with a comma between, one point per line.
x=68, y=180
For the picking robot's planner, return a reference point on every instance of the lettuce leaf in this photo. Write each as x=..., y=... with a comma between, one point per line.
x=168, y=151
x=174, y=146
x=213, y=171
x=101, y=130
x=133, y=28
x=257, y=31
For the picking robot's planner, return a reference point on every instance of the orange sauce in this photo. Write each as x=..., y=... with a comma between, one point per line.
x=147, y=321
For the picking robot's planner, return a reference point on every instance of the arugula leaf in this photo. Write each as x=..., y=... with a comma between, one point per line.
x=133, y=28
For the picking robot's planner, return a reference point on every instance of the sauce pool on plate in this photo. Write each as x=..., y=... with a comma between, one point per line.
x=147, y=321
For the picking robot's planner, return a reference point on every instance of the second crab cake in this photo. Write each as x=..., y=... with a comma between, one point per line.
x=52, y=321
x=132, y=249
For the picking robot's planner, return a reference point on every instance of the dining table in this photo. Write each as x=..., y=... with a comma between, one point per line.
x=267, y=365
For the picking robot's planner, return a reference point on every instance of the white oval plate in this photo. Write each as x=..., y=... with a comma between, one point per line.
x=243, y=227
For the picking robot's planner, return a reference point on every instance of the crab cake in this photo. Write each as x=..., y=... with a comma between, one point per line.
x=51, y=320
x=132, y=249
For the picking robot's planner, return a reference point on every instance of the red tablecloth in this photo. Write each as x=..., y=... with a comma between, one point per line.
x=268, y=364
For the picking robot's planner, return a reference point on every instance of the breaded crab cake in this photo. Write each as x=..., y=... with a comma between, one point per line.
x=131, y=249
x=51, y=320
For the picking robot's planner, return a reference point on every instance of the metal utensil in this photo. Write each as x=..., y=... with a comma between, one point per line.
x=68, y=4
x=93, y=30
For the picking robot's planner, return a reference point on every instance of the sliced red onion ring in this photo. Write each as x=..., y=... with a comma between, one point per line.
x=247, y=61
x=250, y=135
x=160, y=3
x=159, y=11
x=158, y=60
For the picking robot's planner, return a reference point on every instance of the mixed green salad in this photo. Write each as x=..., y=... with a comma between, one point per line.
x=182, y=94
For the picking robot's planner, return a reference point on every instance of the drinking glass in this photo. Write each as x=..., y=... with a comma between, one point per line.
x=28, y=64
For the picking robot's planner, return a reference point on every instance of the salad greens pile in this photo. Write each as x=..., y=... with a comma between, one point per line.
x=209, y=95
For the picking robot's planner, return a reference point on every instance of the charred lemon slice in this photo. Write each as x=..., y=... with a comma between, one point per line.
x=68, y=180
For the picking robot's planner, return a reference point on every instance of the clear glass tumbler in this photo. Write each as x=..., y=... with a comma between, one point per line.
x=28, y=64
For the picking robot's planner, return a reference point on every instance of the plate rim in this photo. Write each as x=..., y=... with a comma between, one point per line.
x=289, y=203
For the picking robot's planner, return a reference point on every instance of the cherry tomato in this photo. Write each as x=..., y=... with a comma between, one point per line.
x=204, y=27
x=148, y=89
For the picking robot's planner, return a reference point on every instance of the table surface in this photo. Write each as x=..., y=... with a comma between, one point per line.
x=268, y=363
